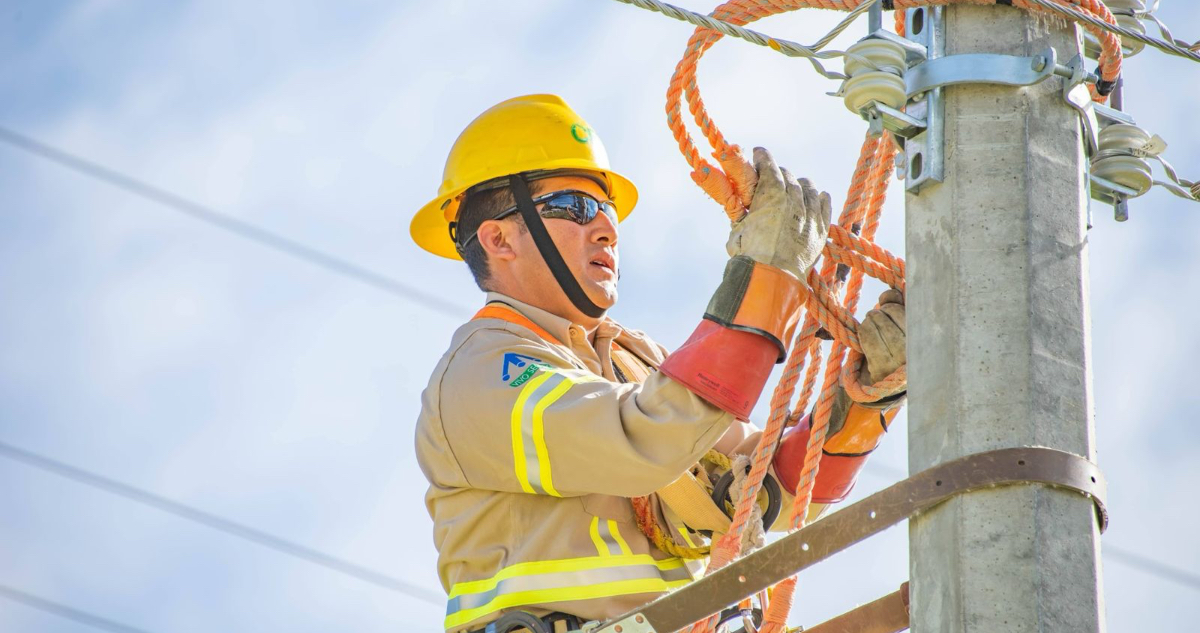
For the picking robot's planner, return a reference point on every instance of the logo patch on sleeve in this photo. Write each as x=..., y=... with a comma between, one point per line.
x=531, y=365
x=526, y=375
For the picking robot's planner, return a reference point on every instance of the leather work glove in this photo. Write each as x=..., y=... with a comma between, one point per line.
x=882, y=336
x=787, y=223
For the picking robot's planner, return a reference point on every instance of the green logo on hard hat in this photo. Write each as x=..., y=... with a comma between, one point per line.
x=582, y=133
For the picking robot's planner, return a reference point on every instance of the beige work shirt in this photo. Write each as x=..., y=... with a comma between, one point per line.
x=532, y=449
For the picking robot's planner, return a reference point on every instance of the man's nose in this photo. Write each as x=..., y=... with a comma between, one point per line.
x=604, y=229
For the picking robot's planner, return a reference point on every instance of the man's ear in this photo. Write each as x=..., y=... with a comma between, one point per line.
x=496, y=238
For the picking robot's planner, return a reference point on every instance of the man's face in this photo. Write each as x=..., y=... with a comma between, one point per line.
x=590, y=251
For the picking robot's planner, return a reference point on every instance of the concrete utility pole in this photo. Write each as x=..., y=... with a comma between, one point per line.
x=998, y=344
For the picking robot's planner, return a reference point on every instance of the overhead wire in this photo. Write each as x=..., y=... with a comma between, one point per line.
x=1165, y=31
x=241, y=228
x=221, y=524
x=1117, y=554
x=811, y=52
x=1167, y=47
x=67, y=612
x=793, y=49
x=1156, y=568
x=263, y=237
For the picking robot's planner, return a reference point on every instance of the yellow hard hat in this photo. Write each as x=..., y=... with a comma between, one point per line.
x=530, y=133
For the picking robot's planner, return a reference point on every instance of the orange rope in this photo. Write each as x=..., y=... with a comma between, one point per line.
x=643, y=512
x=850, y=249
x=732, y=184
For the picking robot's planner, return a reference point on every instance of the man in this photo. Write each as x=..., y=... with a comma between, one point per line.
x=545, y=417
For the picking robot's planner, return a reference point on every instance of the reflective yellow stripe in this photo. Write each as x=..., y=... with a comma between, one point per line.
x=683, y=531
x=539, y=434
x=616, y=533
x=531, y=457
x=594, y=530
x=518, y=441
x=562, y=580
x=561, y=565
x=542, y=596
x=607, y=538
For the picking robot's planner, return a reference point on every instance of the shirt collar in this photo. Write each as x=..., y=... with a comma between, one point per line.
x=552, y=323
x=561, y=328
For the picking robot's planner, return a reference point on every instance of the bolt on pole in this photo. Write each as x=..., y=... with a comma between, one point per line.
x=998, y=344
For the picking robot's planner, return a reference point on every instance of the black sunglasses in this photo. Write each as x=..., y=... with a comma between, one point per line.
x=578, y=206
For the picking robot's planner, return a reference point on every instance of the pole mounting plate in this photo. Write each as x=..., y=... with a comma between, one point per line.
x=924, y=150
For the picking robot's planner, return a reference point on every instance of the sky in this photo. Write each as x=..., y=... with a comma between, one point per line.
x=166, y=354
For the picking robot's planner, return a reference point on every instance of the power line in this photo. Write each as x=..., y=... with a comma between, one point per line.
x=271, y=240
x=344, y=268
x=1130, y=558
x=230, y=224
x=223, y=525
x=63, y=611
x=1116, y=553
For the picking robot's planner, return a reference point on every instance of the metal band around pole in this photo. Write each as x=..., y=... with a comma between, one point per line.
x=834, y=533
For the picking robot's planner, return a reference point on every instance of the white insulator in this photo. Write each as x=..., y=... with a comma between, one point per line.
x=1137, y=6
x=1130, y=47
x=884, y=83
x=1123, y=169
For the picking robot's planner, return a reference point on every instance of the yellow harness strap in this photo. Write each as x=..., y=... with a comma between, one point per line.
x=630, y=365
x=690, y=500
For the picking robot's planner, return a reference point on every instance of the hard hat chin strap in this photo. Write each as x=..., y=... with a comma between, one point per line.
x=550, y=254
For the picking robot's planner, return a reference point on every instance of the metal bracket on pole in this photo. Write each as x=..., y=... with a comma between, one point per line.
x=981, y=68
x=924, y=151
x=1110, y=115
x=924, y=83
x=1076, y=93
x=1109, y=192
x=821, y=539
x=880, y=117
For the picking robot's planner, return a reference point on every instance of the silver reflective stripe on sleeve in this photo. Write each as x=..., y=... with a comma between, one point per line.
x=531, y=457
x=607, y=537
